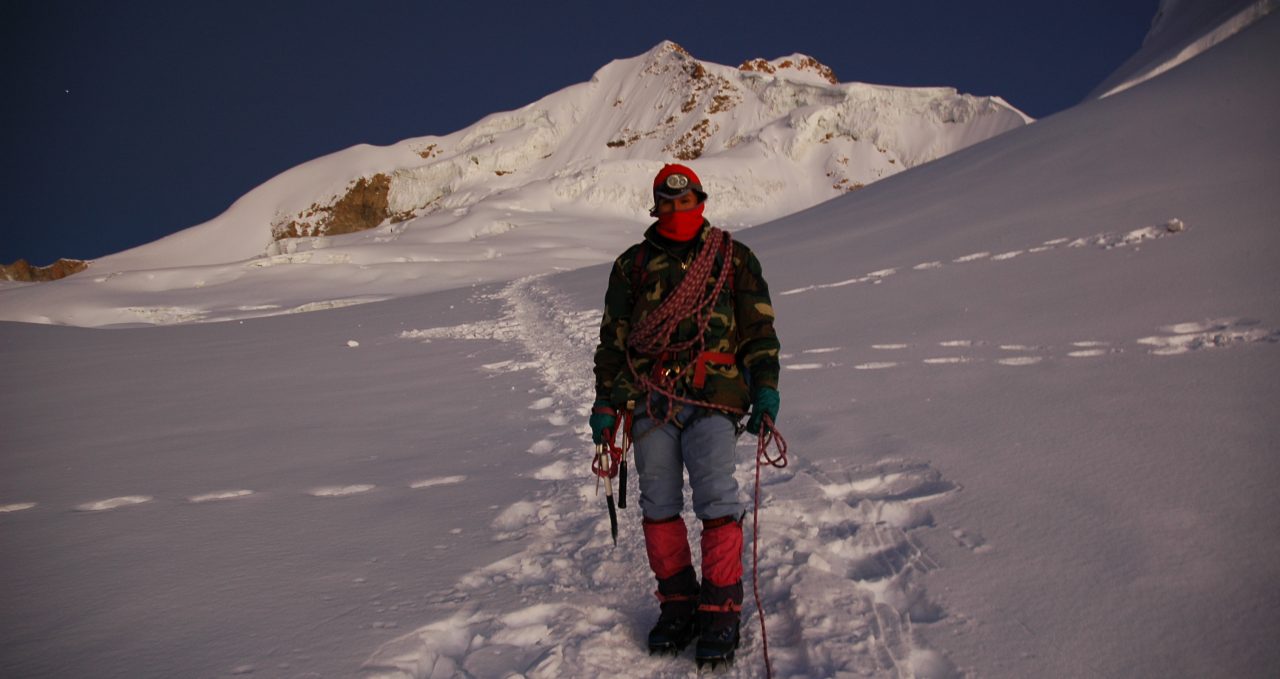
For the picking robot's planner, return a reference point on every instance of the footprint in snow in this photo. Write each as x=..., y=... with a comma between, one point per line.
x=542, y=447
x=1020, y=360
x=808, y=366
x=1091, y=349
x=340, y=491
x=1178, y=338
x=560, y=471
x=18, y=507
x=971, y=258
x=1105, y=241
x=438, y=481
x=113, y=503
x=542, y=640
x=219, y=496
x=1181, y=338
x=511, y=522
x=842, y=565
x=974, y=542
x=885, y=481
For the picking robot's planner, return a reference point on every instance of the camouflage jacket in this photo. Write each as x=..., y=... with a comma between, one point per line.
x=741, y=325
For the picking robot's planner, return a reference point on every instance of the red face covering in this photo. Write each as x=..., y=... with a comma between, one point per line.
x=681, y=225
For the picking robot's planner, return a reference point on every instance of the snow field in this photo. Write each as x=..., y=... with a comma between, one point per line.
x=865, y=548
x=1059, y=463
x=843, y=573
x=839, y=569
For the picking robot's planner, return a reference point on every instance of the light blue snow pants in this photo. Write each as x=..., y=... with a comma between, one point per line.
x=703, y=443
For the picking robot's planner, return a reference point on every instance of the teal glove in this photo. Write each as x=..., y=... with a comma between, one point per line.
x=603, y=419
x=766, y=400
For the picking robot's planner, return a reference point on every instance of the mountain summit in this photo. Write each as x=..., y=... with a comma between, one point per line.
x=559, y=183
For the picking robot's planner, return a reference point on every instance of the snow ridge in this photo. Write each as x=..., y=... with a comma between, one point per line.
x=560, y=183
x=1180, y=32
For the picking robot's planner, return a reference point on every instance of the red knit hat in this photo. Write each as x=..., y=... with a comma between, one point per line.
x=673, y=181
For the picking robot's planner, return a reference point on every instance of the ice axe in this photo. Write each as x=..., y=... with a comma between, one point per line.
x=605, y=466
x=602, y=461
x=610, y=461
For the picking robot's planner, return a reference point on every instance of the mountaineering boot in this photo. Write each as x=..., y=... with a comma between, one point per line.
x=720, y=597
x=677, y=624
x=717, y=646
x=667, y=545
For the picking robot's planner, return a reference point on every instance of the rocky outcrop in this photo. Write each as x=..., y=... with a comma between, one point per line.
x=22, y=270
x=363, y=206
x=798, y=62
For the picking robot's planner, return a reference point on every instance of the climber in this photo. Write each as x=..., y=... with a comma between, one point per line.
x=687, y=349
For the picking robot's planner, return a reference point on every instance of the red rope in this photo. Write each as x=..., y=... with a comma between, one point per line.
x=768, y=435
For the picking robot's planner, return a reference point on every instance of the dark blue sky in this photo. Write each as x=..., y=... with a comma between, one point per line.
x=126, y=121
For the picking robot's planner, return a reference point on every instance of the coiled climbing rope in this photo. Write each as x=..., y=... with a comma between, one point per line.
x=693, y=300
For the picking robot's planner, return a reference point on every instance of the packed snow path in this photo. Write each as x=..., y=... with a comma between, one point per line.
x=839, y=570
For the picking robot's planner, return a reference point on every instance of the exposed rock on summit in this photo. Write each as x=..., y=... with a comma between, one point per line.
x=796, y=62
x=592, y=145
x=22, y=270
x=560, y=183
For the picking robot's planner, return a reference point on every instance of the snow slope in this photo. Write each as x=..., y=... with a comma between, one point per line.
x=559, y=183
x=1180, y=31
x=1029, y=391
